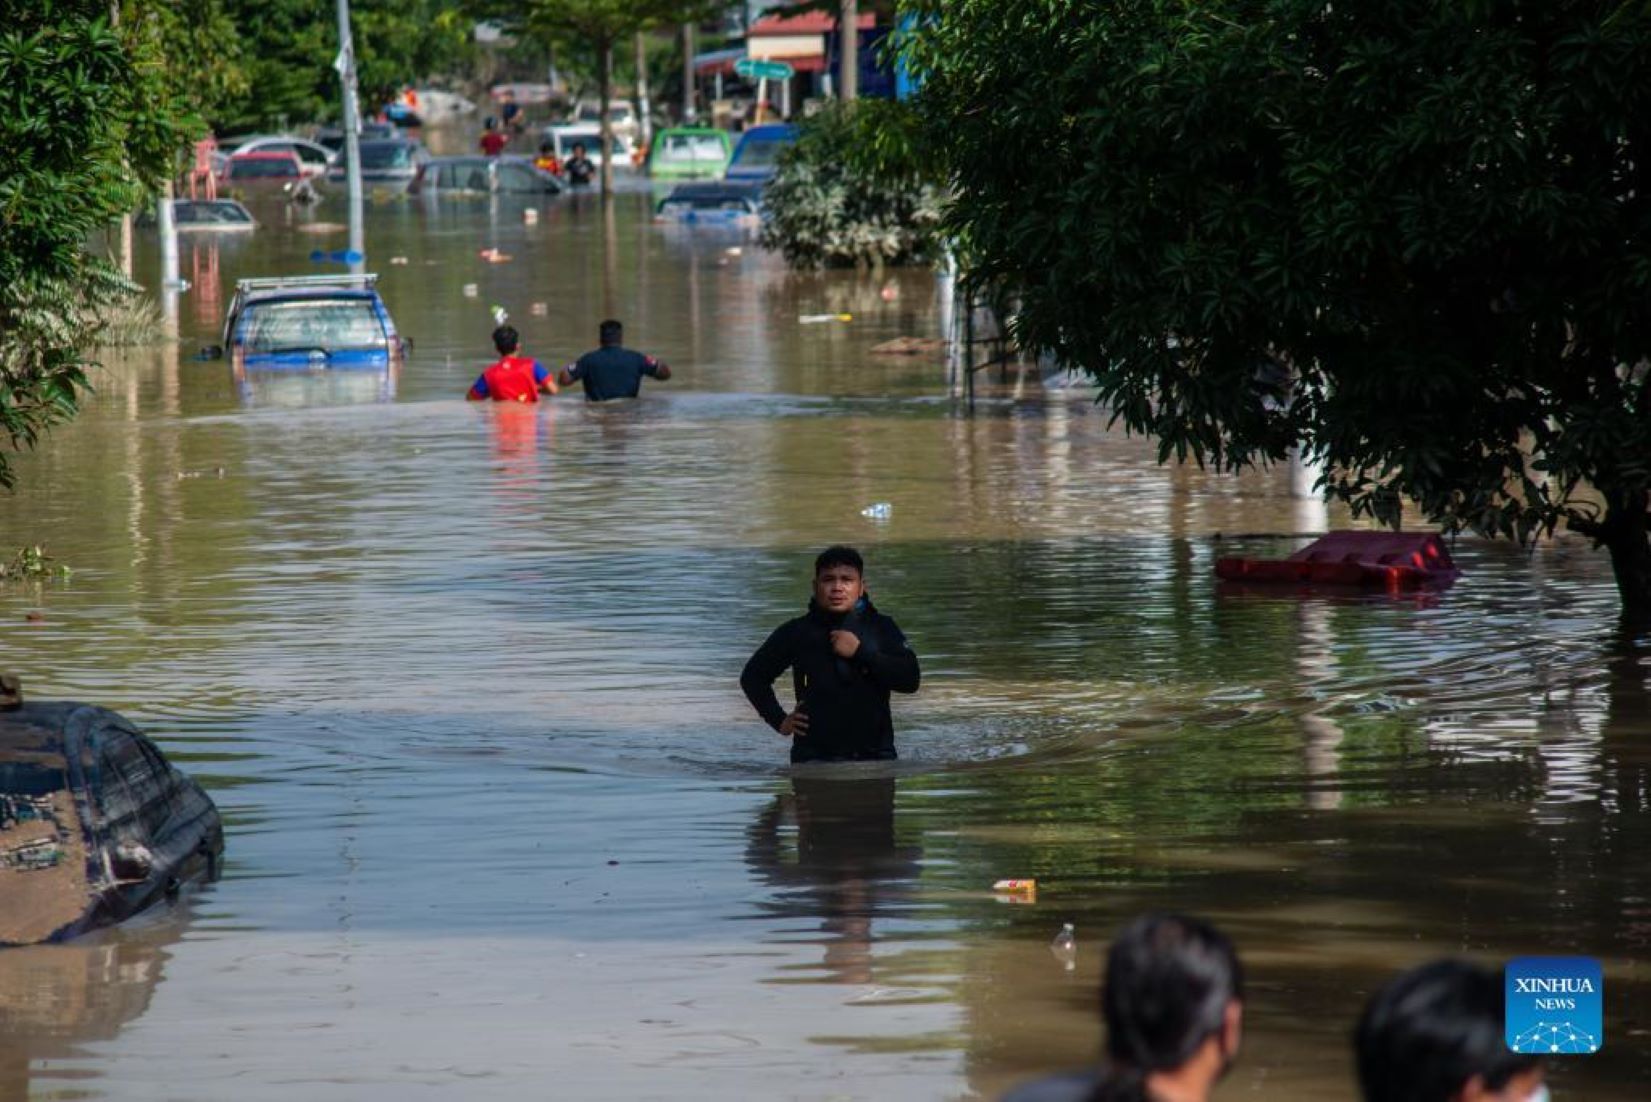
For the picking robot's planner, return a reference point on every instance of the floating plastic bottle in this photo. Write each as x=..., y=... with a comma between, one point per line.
x=882, y=510
x=1065, y=947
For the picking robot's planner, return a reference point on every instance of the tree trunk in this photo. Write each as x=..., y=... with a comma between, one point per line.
x=1627, y=536
x=848, y=39
x=604, y=68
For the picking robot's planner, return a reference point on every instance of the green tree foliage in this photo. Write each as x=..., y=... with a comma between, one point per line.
x=852, y=191
x=288, y=47
x=88, y=122
x=194, y=45
x=1413, y=237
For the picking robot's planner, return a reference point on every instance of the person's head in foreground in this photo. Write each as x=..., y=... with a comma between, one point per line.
x=610, y=334
x=1173, y=1006
x=506, y=340
x=1435, y=1034
x=839, y=579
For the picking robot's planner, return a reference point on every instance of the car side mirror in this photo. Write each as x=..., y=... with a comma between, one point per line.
x=131, y=861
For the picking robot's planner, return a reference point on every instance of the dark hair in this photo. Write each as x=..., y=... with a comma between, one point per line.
x=610, y=332
x=547, y=147
x=578, y=146
x=506, y=339
x=1424, y=1035
x=839, y=555
x=1169, y=980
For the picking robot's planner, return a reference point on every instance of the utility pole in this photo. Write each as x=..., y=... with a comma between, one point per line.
x=848, y=49
x=352, y=136
x=125, y=244
x=687, y=73
x=643, y=108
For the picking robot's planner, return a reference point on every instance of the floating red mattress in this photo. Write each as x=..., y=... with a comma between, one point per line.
x=1395, y=560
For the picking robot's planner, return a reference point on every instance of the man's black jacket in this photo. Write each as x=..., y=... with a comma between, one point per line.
x=846, y=700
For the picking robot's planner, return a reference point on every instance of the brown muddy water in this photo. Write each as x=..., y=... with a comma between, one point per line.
x=500, y=825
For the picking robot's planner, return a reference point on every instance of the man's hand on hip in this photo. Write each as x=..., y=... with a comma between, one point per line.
x=794, y=724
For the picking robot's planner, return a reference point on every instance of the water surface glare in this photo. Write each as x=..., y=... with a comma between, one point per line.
x=462, y=679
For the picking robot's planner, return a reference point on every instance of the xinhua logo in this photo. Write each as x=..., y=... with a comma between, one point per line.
x=1555, y=1005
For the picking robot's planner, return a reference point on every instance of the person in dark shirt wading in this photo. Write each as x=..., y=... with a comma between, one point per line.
x=613, y=371
x=845, y=658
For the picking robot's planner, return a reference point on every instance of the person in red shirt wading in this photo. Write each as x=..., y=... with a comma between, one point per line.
x=493, y=140
x=514, y=378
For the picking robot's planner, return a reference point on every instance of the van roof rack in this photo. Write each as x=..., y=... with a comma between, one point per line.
x=269, y=283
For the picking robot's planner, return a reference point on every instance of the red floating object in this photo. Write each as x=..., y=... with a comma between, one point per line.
x=1390, y=560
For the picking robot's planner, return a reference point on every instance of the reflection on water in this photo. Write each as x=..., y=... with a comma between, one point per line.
x=462, y=678
x=56, y=999
x=829, y=848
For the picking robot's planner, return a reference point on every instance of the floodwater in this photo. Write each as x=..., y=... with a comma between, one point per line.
x=500, y=825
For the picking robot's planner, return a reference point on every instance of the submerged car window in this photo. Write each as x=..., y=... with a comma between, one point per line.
x=253, y=169
x=327, y=325
x=206, y=213
x=760, y=154
x=386, y=156
x=691, y=147
x=519, y=178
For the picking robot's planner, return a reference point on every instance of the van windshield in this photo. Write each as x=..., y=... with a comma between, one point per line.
x=690, y=147
x=304, y=325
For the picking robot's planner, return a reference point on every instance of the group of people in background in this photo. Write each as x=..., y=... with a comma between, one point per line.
x=607, y=372
x=499, y=130
x=1172, y=1002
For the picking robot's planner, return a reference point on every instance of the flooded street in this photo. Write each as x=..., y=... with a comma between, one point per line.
x=463, y=680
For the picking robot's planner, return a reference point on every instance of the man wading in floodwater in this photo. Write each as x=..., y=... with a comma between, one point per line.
x=613, y=371
x=845, y=657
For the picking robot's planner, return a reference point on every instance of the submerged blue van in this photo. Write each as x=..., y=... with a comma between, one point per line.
x=311, y=322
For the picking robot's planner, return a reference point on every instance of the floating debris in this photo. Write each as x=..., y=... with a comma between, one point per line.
x=33, y=562
x=818, y=319
x=909, y=346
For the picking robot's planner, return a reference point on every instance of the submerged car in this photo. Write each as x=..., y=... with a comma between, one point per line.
x=310, y=323
x=621, y=116
x=505, y=175
x=688, y=153
x=312, y=158
x=263, y=169
x=758, y=153
x=713, y=203
x=331, y=138
x=563, y=138
x=95, y=824
x=388, y=162
x=211, y=216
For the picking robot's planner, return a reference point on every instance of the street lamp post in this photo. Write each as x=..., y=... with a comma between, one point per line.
x=352, y=137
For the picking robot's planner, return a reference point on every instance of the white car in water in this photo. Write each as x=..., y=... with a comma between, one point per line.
x=589, y=135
